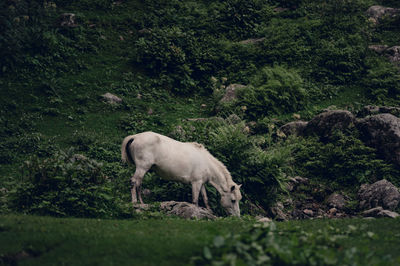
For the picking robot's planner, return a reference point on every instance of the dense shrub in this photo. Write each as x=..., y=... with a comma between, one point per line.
x=343, y=161
x=272, y=90
x=173, y=55
x=65, y=184
x=382, y=81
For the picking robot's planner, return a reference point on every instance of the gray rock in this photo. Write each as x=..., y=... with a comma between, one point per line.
x=337, y=201
x=252, y=41
x=293, y=182
x=308, y=212
x=379, y=48
x=186, y=210
x=380, y=212
x=231, y=93
x=111, y=98
x=325, y=123
x=377, y=13
x=379, y=194
x=262, y=219
x=68, y=20
x=393, y=53
x=277, y=211
x=294, y=128
x=382, y=132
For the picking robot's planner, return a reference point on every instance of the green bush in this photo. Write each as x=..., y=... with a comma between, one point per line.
x=343, y=161
x=273, y=90
x=261, y=172
x=65, y=184
x=382, y=81
x=264, y=244
x=170, y=54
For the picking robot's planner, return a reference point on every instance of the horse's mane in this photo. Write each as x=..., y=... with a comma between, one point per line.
x=197, y=145
x=220, y=166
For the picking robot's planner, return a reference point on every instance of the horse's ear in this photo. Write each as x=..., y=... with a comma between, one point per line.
x=232, y=188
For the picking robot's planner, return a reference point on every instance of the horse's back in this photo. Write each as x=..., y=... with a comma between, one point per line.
x=172, y=158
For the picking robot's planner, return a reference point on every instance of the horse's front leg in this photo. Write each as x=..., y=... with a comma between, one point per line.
x=204, y=195
x=196, y=186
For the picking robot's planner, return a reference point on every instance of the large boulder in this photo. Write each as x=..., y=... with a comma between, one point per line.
x=379, y=194
x=186, y=210
x=325, y=123
x=382, y=132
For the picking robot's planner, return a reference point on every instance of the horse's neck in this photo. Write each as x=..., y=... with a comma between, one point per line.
x=220, y=177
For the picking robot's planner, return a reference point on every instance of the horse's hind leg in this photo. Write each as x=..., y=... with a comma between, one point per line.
x=136, y=184
x=204, y=195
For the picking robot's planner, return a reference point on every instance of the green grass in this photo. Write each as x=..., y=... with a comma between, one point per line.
x=108, y=242
x=168, y=241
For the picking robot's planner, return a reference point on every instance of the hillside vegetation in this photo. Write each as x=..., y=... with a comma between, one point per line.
x=170, y=62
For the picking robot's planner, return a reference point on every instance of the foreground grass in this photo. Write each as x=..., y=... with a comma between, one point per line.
x=37, y=240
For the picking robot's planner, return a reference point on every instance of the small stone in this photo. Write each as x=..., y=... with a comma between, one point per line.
x=111, y=98
x=308, y=212
x=263, y=219
x=332, y=211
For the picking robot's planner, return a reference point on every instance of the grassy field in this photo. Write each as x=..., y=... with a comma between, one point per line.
x=34, y=240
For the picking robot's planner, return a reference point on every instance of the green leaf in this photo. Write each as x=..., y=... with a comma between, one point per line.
x=207, y=253
x=219, y=241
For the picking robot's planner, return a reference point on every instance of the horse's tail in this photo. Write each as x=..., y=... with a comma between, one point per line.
x=126, y=154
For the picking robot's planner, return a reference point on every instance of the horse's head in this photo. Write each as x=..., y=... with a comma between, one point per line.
x=230, y=200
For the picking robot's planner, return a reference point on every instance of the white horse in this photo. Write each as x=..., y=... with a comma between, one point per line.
x=187, y=162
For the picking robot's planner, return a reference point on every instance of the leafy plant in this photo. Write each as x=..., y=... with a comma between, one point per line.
x=65, y=184
x=264, y=244
x=273, y=90
x=343, y=161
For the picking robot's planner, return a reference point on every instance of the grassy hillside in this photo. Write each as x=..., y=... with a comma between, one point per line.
x=170, y=61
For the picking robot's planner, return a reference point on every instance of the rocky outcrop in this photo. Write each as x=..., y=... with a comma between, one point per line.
x=186, y=210
x=383, y=133
x=325, y=123
x=377, y=13
x=379, y=194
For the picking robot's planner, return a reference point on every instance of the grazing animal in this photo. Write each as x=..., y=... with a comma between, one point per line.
x=187, y=162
